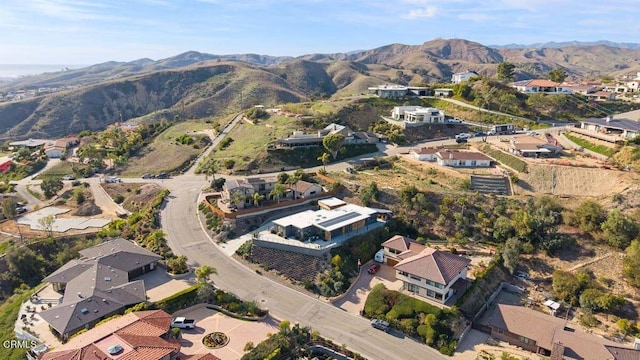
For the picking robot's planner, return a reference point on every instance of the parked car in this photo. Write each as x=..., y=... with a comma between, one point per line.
x=183, y=323
x=148, y=176
x=461, y=141
x=350, y=170
x=463, y=136
x=522, y=275
x=380, y=325
x=533, y=133
x=479, y=134
x=455, y=120
x=162, y=176
x=112, y=179
x=69, y=177
x=373, y=268
x=21, y=209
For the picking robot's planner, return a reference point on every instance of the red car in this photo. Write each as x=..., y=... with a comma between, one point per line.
x=373, y=268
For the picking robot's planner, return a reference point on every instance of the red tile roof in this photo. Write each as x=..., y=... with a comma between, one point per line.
x=542, y=83
x=203, y=357
x=426, y=151
x=399, y=243
x=434, y=265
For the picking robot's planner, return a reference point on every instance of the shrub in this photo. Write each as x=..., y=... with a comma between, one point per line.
x=118, y=199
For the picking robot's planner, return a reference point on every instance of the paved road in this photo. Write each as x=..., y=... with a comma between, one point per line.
x=186, y=237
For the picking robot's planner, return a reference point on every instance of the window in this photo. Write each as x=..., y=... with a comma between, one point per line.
x=403, y=273
x=412, y=288
x=473, y=163
x=525, y=340
x=414, y=277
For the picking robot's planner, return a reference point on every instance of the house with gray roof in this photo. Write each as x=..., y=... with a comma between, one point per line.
x=98, y=285
x=611, y=129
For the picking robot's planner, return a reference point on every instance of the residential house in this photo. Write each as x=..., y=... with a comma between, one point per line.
x=394, y=91
x=424, y=154
x=530, y=146
x=464, y=76
x=443, y=92
x=98, y=285
x=300, y=139
x=335, y=220
x=263, y=185
x=418, y=115
x=5, y=163
x=542, y=333
x=612, y=129
x=621, y=353
x=583, y=89
x=455, y=158
x=304, y=189
x=425, y=271
x=602, y=96
x=238, y=192
x=31, y=143
x=54, y=152
x=617, y=88
x=137, y=335
x=540, y=86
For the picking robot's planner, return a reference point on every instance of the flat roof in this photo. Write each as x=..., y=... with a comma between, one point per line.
x=30, y=142
x=332, y=202
x=621, y=124
x=327, y=220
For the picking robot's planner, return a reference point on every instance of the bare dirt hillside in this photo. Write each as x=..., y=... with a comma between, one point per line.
x=573, y=181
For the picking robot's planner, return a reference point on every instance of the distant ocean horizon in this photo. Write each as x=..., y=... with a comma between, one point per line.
x=13, y=71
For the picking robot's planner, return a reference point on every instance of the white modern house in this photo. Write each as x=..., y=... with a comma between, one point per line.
x=394, y=91
x=464, y=76
x=418, y=115
x=454, y=158
x=541, y=86
x=334, y=221
x=425, y=271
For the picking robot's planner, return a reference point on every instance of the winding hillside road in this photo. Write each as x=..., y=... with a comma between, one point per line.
x=180, y=222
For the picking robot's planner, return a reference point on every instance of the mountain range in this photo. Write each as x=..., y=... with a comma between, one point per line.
x=195, y=84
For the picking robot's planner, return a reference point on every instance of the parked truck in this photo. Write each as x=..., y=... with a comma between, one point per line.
x=505, y=129
x=183, y=323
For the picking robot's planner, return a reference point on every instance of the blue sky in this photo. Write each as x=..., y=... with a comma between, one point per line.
x=94, y=31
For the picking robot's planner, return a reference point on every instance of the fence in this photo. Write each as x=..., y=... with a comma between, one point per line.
x=281, y=245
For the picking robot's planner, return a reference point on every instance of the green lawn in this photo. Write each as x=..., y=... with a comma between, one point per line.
x=600, y=149
x=164, y=154
x=511, y=161
x=59, y=170
x=250, y=140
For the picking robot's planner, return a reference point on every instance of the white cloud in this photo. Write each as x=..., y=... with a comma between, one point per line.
x=428, y=12
x=477, y=17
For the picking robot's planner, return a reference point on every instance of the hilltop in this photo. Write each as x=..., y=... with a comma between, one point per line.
x=195, y=84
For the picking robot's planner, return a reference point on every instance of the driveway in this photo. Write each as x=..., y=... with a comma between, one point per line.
x=160, y=285
x=354, y=299
x=240, y=333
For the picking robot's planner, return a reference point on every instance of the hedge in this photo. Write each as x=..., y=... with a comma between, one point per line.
x=180, y=300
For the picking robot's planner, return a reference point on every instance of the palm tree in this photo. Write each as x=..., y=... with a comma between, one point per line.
x=204, y=272
x=256, y=199
x=325, y=157
x=208, y=167
x=277, y=191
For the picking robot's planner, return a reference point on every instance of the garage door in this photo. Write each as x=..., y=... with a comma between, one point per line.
x=391, y=262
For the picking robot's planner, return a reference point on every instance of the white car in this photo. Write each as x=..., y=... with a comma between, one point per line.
x=463, y=136
x=455, y=120
x=533, y=133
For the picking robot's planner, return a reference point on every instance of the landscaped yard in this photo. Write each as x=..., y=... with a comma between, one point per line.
x=414, y=317
x=165, y=154
x=61, y=169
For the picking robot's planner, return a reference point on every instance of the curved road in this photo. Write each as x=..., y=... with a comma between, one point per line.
x=180, y=222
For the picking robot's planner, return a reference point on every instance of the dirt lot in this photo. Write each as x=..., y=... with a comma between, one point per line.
x=135, y=195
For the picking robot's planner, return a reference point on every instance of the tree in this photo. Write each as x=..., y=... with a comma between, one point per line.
x=589, y=299
x=208, y=167
x=502, y=229
x=285, y=327
x=204, y=272
x=566, y=286
x=325, y=160
x=557, y=75
x=370, y=192
x=333, y=143
x=624, y=326
x=282, y=178
x=9, y=209
x=277, y=191
x=257, y=197
x=589, y=216
x=47, y=223
x=27, y=263
x=631, y=263
x=619, y=229
x=505, y=71
x=511, y=254
x=175, y=332
x=206, y=293
x=177, y=265
x=50, y=187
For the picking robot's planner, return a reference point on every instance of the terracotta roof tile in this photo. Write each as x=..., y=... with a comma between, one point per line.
x=203, y=357
x=399, y=243
x=543, y=83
